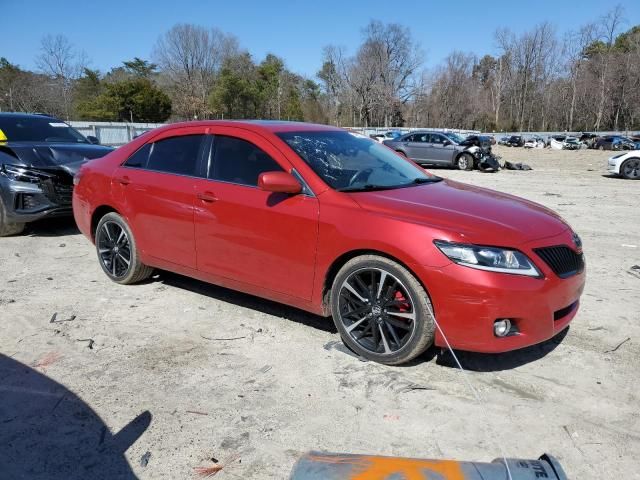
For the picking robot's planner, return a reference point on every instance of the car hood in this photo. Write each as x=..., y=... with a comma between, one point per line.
x=466, y=213
x=66, y=156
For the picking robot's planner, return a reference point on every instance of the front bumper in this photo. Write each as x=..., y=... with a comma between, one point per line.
x=27, y=202
x=612, y=166
x=467, y=302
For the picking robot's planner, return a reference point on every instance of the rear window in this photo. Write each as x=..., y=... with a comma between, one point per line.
x=178, y=155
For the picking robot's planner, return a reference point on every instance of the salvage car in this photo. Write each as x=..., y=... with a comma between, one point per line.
x=614, y=142
x=589, y=139
x=438, y=148
x=334, y=223
x=534, y=142
x=571, y=143
x=390, y=135
x=515, y=141
x=39, y=156
x=626, y=165
x=563, y=142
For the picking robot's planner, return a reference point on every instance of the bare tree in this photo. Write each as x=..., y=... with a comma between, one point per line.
x=574, y=47
x=609, y=27
x=393, y=57
x=63, y=64
x=530, y=54
x=333, y=78
x=191, y=56
x=379, y=79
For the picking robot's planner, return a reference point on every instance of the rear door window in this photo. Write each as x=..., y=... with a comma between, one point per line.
x=238, y=161
x=418, y=137
x=177, y=155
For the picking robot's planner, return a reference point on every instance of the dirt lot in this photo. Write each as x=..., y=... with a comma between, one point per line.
x=252, y=384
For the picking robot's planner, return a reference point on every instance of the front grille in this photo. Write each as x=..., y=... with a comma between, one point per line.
x=562, y=260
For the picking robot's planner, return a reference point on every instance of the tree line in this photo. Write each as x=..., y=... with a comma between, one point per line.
x=586, y=79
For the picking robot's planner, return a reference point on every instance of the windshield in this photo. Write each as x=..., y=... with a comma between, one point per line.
x=348, y=162
x=454, y=137
x=39, y=129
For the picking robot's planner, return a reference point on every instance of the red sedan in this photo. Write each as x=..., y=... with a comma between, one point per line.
x=334, y=223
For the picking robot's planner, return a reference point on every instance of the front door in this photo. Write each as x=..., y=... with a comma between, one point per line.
x=243, y=233
x=441, y=149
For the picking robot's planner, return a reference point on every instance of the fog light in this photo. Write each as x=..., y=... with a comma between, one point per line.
x=501, y=327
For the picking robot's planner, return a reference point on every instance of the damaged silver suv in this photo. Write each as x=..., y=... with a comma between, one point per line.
x=443, y=148
x=39, y=155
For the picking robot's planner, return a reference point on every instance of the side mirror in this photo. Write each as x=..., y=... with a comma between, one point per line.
x=93, y=140
x=446, y=143
x=281, y=182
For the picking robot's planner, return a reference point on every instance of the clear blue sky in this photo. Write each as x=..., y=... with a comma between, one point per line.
x=111, y=31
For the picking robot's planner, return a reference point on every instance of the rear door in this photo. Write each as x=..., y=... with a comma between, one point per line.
x=246, y=234
x=156, y=185
x=418, y=147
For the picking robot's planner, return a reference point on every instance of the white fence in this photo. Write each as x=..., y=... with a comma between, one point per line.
x=374, y=130
x=119, y=133
x=113, y=133
x=626, y=133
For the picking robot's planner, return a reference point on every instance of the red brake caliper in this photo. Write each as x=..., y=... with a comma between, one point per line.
x=403, y=307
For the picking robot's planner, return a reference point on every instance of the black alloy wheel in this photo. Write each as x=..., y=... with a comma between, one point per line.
x=117, y=251
x=381, y=310
x=114, y=249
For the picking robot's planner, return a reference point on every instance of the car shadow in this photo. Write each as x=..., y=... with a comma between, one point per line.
x=495, y=362
x=48, y=432
x=480, y=362
x=613, y=176
x=52, y=227
x=245, y=300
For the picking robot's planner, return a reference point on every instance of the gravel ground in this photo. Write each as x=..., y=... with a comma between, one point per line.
x=216, y=376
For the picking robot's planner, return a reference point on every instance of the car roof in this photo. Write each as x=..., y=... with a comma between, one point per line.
x=273, y=126
x=24, y=115
x=428, y=131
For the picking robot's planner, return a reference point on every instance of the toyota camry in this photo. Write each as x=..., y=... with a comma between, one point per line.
x=332, y=222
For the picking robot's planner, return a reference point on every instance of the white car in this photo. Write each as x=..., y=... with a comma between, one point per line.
x=390, y=135
x=535, y=142
x=626, y=164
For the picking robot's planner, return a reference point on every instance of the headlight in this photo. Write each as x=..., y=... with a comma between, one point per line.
x=493, y=259
x=18, y=173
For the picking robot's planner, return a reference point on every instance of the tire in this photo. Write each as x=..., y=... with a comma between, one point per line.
x=400, y=336
x=465, y=162
x=8, y=228
x=601, y=148
x=117, y=252
x=630, y=169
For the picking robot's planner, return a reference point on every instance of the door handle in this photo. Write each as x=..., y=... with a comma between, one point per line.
x=207, y=197
x=124, y=180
